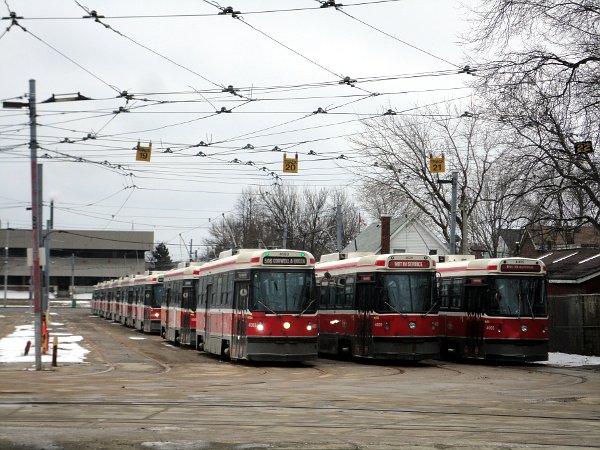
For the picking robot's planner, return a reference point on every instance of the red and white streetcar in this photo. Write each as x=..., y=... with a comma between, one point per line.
x=258, y=305
x=494, y=309
x=147, y=308
x=378, y=306
x=178, y=307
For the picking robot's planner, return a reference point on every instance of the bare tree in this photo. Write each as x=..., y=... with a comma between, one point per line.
x=397, y=148
x=262, y=217
x=541, y=83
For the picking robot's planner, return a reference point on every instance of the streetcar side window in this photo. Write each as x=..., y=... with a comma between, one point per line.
x=324, y=297
x=339, y=292
x=349, y=293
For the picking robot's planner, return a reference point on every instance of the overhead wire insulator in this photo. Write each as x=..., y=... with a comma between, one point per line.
x=312, y=152
x=467, y=69
x=223, y=110
x=389, y=112
x=276, y=149
x=320, y=111
x=94, y=15
x=347, y=80
x=248, y=147
x=229, y=10
x=330, y=3
x=200, y=154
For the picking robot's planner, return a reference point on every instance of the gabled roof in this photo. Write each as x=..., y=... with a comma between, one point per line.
x=369, y=240
x=572, y=265
x=511, y=237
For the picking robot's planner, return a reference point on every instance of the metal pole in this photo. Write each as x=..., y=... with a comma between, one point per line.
x=73, y=280
x=47, y=266
x=285, y=235
x=35, y=238
x=465, y=241
x=338, y=222
x=453, y=213
x=6, y=247
x=49, y=226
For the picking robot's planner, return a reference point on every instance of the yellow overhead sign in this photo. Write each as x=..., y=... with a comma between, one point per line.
x=143, y=153
x=290, y=165
x=437, y=165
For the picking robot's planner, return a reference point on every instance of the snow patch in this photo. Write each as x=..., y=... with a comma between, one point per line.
x=568, y=360
x=12, y=347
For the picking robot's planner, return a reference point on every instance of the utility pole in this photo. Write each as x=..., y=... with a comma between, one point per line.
x=464, y=244
x=285, y=235
x=73, y=280
x=454, y=182
x=49, y=226
x=339, y=233
x=6, y=247
x=36, y=279
x=453, y=213
x=35, y=208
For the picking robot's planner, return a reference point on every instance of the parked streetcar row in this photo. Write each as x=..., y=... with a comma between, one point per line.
x=279, y=305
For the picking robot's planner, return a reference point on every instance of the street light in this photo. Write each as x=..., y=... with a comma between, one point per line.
x=36, y=212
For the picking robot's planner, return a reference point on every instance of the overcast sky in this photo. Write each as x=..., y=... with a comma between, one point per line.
x=165, y=65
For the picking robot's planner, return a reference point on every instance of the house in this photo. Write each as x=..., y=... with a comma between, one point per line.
x=540, y=239
x=573, y=271
x=399, y=235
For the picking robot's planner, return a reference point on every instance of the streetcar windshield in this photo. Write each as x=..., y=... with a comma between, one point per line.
x=517, y=297
x=283, y=292
x=155, y=296
x=408, y=293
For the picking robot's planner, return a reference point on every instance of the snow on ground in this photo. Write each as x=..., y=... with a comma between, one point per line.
x=19, y=295
x=568, y=360
x=12, y=347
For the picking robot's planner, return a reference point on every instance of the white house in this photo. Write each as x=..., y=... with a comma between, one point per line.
x=406, y=236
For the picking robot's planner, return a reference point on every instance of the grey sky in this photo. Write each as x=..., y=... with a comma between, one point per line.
x=177, y=192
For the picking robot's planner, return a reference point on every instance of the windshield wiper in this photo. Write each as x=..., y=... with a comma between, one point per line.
x=266, y=307
x=431, y=309
x=394, y=309
x=306, y=309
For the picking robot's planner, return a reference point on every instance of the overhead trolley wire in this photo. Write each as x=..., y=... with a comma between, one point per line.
x=93, y=14
x=396, y=38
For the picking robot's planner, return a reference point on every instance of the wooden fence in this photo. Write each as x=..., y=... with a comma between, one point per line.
x=575, y=324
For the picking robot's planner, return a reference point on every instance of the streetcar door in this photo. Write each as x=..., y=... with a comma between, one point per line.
x=209, y=300
x=364, y=320
x=240, y=308
x=474, y=296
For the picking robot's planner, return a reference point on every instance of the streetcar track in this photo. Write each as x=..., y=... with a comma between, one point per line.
x=166, y=368
x=190, y=423
x=253, y=405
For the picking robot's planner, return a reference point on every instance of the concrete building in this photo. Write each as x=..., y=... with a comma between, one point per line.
x=90, y=256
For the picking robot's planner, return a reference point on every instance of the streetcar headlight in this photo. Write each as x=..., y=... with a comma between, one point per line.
x=309, y=327
x=156, y=314
x=386, y=326
x=412, y=325
x=286, y=325
x=260, y=326
x=524, y=328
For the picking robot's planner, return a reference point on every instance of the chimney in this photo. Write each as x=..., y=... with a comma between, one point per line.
x=385, y=234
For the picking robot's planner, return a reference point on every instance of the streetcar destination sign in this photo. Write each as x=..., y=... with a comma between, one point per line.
x=520, y=268
x=407, y=264
x=284, y=260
